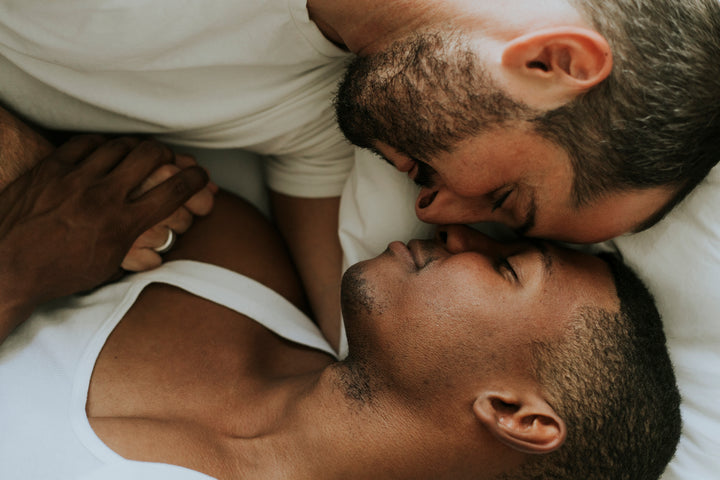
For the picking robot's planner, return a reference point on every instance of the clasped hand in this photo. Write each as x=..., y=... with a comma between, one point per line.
x=67, y=224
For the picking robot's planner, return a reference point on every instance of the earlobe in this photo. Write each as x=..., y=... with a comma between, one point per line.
x=552, y=66
x=526, y=422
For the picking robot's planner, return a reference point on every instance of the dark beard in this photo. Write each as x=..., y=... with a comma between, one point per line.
x=355, y=297
x=421, y=96
x=358, y=304
x=355, y=381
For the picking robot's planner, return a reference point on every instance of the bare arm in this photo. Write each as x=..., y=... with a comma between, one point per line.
x=21, y=148
x=310, y=227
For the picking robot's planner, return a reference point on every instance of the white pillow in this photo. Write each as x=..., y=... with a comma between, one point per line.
x=238, y=171
x=679, y=259
x=377, y=207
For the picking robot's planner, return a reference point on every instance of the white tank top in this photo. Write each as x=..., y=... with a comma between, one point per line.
x=46, y=365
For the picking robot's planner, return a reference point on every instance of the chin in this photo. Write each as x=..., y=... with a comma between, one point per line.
x=355, y=298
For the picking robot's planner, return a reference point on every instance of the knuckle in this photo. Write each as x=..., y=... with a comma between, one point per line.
x=182, y=186
x=121, y=145
x=120, y=142
x=129, y=140
x=181, y=221
x=165, y=171
x=184, y=160
x=201, y=203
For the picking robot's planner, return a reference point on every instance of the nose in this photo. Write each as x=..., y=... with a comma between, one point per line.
x=439, y=204
x=460, y=238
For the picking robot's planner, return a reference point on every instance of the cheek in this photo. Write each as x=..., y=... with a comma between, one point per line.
x=469, y=179
x=355, y=296
x=456, y=303
x=366, y=290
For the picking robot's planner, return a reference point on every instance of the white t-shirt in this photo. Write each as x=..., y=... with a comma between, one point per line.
x=253, y=74
x=46, y=365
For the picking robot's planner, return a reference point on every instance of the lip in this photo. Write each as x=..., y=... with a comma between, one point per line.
x=417, y=253
x=402, y=251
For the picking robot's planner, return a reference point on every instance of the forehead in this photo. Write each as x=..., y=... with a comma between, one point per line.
x=579, y=279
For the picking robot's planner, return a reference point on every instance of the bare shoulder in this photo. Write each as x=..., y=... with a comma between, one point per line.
x=238, y=237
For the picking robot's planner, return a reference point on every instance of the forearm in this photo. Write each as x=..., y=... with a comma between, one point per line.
x=310, y=227
x=20, y=148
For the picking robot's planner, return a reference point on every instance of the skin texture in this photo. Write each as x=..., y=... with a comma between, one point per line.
x=310, y=227
x=506, y=293
x=520, y=179
x=256, y=405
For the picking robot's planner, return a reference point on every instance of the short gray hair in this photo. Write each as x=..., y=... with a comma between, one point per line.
x=656, y=120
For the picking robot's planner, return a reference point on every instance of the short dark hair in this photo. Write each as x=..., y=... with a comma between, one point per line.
x=655, y=121
x=611, y=379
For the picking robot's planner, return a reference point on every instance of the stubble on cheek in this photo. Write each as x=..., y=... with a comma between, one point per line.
x=357, y=296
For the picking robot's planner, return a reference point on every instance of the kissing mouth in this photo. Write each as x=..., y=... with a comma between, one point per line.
x=426, y=198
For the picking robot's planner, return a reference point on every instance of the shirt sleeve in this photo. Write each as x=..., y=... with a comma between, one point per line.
x=320, y=171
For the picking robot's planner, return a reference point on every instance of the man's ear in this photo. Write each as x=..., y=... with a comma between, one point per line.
x=549, y=67
x=524, y=422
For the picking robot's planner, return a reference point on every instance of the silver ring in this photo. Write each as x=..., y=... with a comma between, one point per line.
x=165, y=247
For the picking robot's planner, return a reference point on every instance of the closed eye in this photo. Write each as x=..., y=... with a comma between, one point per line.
x=500, y=201
x=503, y=264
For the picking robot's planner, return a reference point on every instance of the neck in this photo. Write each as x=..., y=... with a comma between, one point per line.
x=321, y=432
x=365, y=26
x=318, y=432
